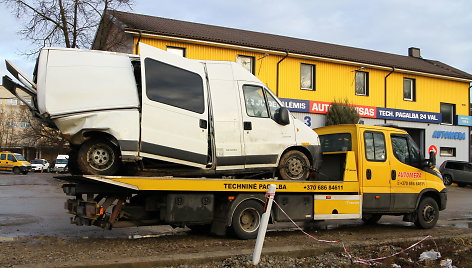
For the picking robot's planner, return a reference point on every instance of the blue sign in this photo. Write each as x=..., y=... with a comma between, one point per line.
x=450, y=135
x=407, y=115
x=301, y=106
x=464, y=120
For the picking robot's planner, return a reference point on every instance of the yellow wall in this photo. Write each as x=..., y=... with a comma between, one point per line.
x=335, y=80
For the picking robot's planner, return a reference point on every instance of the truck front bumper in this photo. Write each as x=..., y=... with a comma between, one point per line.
x=443, y=199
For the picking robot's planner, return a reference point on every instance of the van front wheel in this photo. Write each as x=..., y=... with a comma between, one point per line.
x=98, y=157
x=294, y=165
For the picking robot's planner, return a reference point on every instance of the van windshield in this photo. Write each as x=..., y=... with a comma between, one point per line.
x=61, y=161
x=19, y=157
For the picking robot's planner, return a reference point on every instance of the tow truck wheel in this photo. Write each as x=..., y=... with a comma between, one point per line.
x=427, y=213
x=98, y=157
x=246, y=219
x=447, y=179
x=371, y=218
x=294, y=165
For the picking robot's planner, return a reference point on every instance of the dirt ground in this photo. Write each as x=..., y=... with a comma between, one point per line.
x=361, y=241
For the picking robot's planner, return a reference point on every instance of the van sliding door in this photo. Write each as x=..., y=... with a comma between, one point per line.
x=174, y=124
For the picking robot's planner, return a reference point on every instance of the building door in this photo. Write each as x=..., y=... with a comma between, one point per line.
x=375, y=172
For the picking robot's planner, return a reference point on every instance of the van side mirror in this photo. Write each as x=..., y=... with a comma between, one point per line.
x=282, y=116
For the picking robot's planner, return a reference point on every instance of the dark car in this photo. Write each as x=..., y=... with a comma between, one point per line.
x=459, y=172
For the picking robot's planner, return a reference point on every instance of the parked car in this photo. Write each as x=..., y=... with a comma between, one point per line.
x=14, y=162
x=459, y=172
x=61, y=164
x=40, y=165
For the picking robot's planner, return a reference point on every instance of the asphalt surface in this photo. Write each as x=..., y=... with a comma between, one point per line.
x=33, y=205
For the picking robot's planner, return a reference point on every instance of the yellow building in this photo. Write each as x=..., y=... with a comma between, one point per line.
x=427, y=98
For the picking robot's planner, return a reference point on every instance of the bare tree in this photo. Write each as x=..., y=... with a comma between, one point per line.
x=69, y=23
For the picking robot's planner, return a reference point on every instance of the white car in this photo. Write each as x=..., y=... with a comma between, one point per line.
x=40, y=165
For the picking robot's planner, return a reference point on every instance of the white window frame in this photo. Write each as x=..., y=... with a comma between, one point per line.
x=179, y=51
x=412, y=89
x=447, y=151
x=312, y=76
x=248, y=62
x=365, y=86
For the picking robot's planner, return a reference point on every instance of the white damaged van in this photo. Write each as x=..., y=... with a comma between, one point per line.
x=214, y=116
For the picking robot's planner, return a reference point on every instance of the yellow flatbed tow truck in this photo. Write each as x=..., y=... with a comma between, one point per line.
x=367, y=172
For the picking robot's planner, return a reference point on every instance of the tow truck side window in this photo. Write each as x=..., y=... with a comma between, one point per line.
x=406, y=150
x=374, y=146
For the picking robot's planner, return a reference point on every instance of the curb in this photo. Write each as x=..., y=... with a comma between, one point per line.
x=205, y=257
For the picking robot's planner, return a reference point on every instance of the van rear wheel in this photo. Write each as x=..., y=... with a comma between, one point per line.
x=98, y=157
x=294, y=165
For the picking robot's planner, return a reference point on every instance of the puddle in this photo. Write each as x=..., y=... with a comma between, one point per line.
x=17, y=219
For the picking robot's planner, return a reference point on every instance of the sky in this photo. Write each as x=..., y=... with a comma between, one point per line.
x=440, y=28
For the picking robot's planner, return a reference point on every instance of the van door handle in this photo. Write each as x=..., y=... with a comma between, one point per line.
x=247, y=126
x=368, y=174
x=203, y=124
x=394, y=175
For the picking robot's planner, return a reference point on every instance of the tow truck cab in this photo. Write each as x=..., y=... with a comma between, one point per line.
x=394, y=177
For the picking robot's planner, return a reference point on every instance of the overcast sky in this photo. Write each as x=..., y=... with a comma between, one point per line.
x=440, y=28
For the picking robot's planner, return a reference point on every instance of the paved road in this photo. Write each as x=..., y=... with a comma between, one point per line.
x=33, y=205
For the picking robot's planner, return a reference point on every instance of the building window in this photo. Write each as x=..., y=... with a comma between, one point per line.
x=409, y=89
x=448, y=112
x=247, y=62
x=179, y=51
x=447, y=151
x=362, y=83
x=307, y=76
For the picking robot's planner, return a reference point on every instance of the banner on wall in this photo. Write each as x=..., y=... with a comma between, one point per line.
x=320, y=107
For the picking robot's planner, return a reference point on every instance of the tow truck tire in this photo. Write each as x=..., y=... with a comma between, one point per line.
x=370, y=219
x=246, y=219
x=447, y=179
x=98, y=157
x=294, y=165
x=16, y=171
x=427, y=213
x=72, y=163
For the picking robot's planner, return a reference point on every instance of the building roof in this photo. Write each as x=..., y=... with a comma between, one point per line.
x=204, y=32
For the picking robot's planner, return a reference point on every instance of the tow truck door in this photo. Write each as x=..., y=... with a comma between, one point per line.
x=375, y=171
x=174, y=124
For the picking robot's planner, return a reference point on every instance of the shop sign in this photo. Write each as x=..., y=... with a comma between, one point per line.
x=300, y=106
x=464, y=120
x=321, y=107
x=449, y=135
x=407, y=115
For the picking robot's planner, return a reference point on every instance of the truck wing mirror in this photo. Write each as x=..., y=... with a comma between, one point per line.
x=432, y=158
x=282, y=117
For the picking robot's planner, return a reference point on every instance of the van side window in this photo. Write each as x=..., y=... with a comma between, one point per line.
x=406, y=150
x=374, y=146
x=11, y=158
x=339, y=142
x=255, y=101
x=274, y=106
x=3, y=157
x=174, y=86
